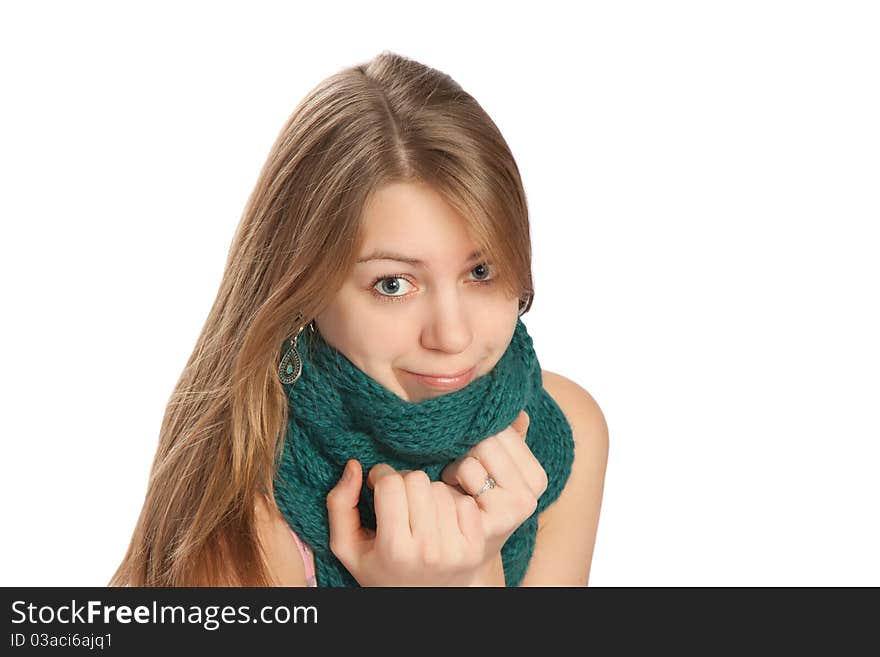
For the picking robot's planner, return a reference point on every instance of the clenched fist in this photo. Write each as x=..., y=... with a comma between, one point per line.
x=427, y=533
x=519, y=481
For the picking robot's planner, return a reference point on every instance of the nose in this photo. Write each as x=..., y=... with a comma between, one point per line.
x=448, y=327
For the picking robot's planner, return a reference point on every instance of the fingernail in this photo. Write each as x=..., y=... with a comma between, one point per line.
x=346, y=475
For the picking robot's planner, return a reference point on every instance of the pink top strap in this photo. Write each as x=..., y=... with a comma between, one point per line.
x=308, y=559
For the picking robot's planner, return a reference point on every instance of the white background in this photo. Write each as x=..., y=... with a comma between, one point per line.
x=704, y=187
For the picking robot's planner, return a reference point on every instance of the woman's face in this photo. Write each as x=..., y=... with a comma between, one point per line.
x=394, y=319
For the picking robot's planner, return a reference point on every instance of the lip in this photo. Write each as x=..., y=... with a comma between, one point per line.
x=447, y=382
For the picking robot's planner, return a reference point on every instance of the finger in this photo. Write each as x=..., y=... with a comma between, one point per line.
x=422, y=507
x=500, y=466
x=450, y=474
x=376, y=472
x=389, y=501
x=493, y=503
x=470, y=475
x=526, y=462
x=447, y=515
x=470, y=519
x=519, y=428
x=344, y=521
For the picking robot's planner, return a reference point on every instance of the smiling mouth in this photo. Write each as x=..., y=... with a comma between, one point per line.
x=445, y=382
x=444, y=376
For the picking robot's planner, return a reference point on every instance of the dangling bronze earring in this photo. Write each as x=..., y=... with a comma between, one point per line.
x=290, y=368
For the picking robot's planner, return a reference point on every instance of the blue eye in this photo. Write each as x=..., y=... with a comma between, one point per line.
x=390, y=284
x=403, y=277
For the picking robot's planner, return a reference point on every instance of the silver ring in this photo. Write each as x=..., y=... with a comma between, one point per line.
x=490, y=483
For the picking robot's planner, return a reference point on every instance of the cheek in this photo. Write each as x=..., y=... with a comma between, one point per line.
x=387, y=347
x=375, y=346
x=502, y=333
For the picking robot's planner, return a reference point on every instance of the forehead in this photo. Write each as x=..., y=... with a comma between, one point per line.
x=414, y=219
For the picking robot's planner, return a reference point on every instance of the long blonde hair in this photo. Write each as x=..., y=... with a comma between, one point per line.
x=391, y=119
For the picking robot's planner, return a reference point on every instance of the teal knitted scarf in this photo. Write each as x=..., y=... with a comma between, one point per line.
x=337, y=412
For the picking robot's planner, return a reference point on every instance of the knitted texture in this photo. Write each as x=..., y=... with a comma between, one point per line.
x=337, y=413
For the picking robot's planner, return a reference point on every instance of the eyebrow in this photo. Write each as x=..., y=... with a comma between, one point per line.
x=391, y=255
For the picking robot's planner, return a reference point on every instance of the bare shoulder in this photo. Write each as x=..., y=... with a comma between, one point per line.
x=567, y=528
x=579, y=407
x=276, y=538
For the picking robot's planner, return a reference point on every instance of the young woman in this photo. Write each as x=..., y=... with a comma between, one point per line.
x=364, y=405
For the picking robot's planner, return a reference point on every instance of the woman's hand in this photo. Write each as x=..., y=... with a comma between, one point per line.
x=427, y=533
x=519, y=481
